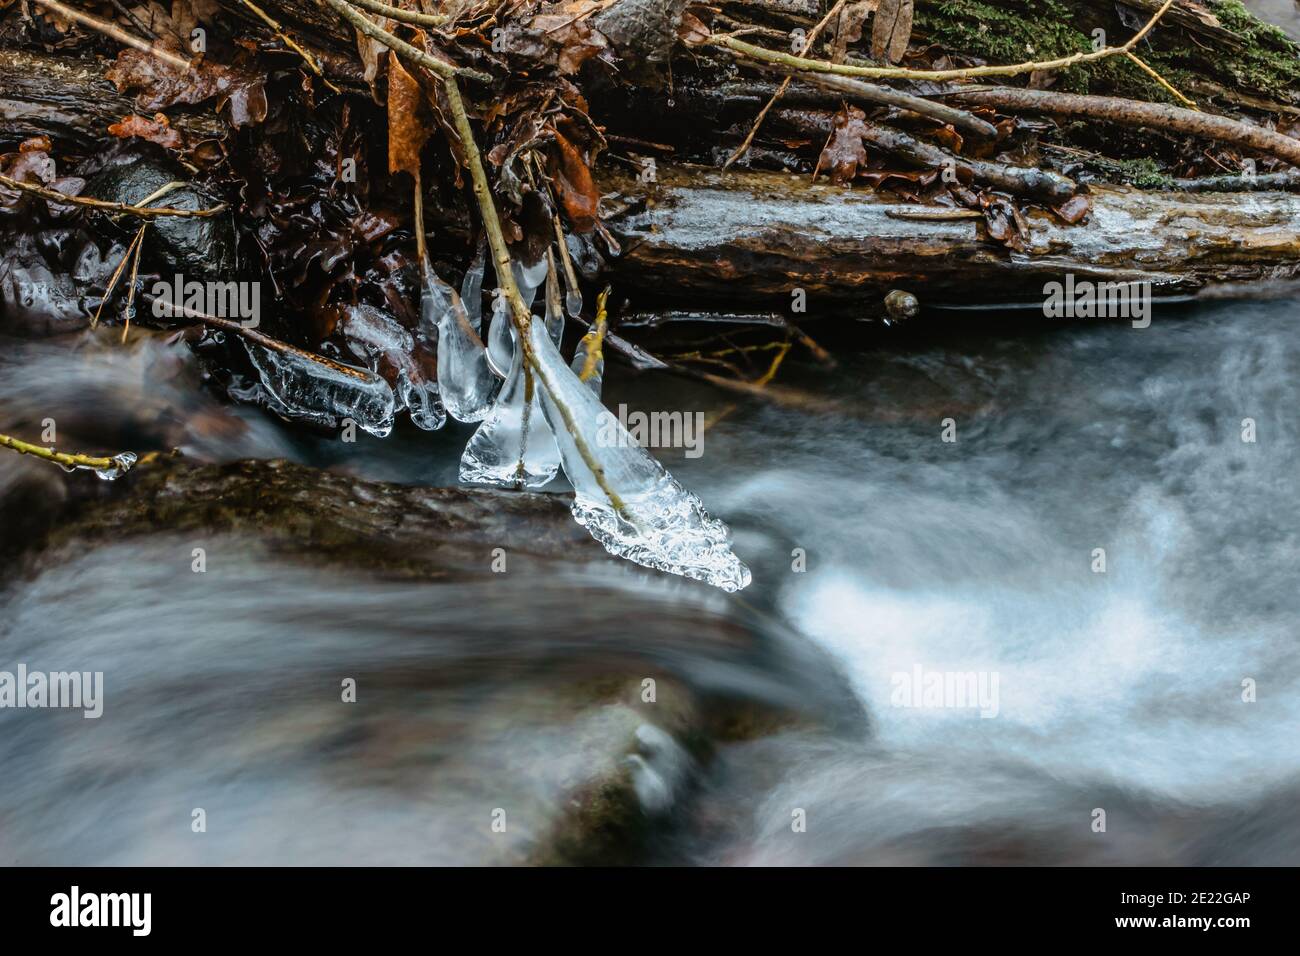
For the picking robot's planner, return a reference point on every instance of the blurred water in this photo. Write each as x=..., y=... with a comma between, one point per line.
x=1119, y=691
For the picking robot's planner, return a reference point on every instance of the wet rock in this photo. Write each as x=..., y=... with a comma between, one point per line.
x=197, y=248
x=507, y=711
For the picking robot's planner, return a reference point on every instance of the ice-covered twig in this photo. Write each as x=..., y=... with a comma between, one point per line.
x=105, y=467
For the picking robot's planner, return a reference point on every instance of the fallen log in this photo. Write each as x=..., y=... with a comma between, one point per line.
x=69, y=100
x=751, y=239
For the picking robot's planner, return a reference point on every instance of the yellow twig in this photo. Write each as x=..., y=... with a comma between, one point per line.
x=403, y=16
x=59, y=458
x=595, y=338
x=902, y=73
x=1190, y=104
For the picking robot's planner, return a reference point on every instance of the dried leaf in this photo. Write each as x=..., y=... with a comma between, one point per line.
x=891, y=30
x=844, y=152
x=407, y=129
x=848, y=27
x=692, y=30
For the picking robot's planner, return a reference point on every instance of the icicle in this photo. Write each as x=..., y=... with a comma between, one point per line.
x=464, y=379
x=554, y=311
x=500, y=343
x=529, y=279
x=380, y=341
x=513, y=446
x=121, y=464
x=572, y=294
x=300, y=389
x=471, y=287
x=656, y=522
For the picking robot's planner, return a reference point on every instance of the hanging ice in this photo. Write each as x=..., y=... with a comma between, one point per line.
x=387, y=348
x=554, y=311
x=529, y=279
x=324, y=393
x=655, y=522
x=514, y=445
x=500, y=341
x=464, y=379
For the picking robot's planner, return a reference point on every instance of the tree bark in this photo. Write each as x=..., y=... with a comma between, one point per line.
x=752, y=238
x=69, y=100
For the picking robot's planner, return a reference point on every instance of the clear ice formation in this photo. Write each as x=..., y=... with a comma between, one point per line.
x=464, y=379
x=500, y=340
x=119, y=465
x=554, y=311
x=513, y=446
x=660, y=524
x=300, y=389
x=381, y=342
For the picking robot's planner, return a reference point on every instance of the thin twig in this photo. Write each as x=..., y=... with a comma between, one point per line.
x=114, y=31
x=66, y=459
x=780, y=91
x=1190, y=104
x=290, y=42
x=414, y=54
x=112, y=208
x=901, y=73
x=135, y=271
x=117, y=274
x=595, y=339
x=403, y=16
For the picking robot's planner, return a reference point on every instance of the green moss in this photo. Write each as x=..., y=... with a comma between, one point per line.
x=1143, y=173
x=1269, y=62
x=1000, y=31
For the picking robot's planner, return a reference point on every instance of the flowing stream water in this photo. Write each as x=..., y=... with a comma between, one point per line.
x=1164, y=690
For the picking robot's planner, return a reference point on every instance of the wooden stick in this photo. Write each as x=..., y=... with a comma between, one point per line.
x=112, y=208
x=403, y=16
x=1162, y=116
x=780, y=91
x=116, y=32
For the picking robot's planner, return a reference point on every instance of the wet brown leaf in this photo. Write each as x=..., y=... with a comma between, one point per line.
x=574, y=184
x=157, y=130
x=848, y=27
x=844, y=152
x=160, y=85
x=891, y=30
x=1074, y=209
x=692, y=30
